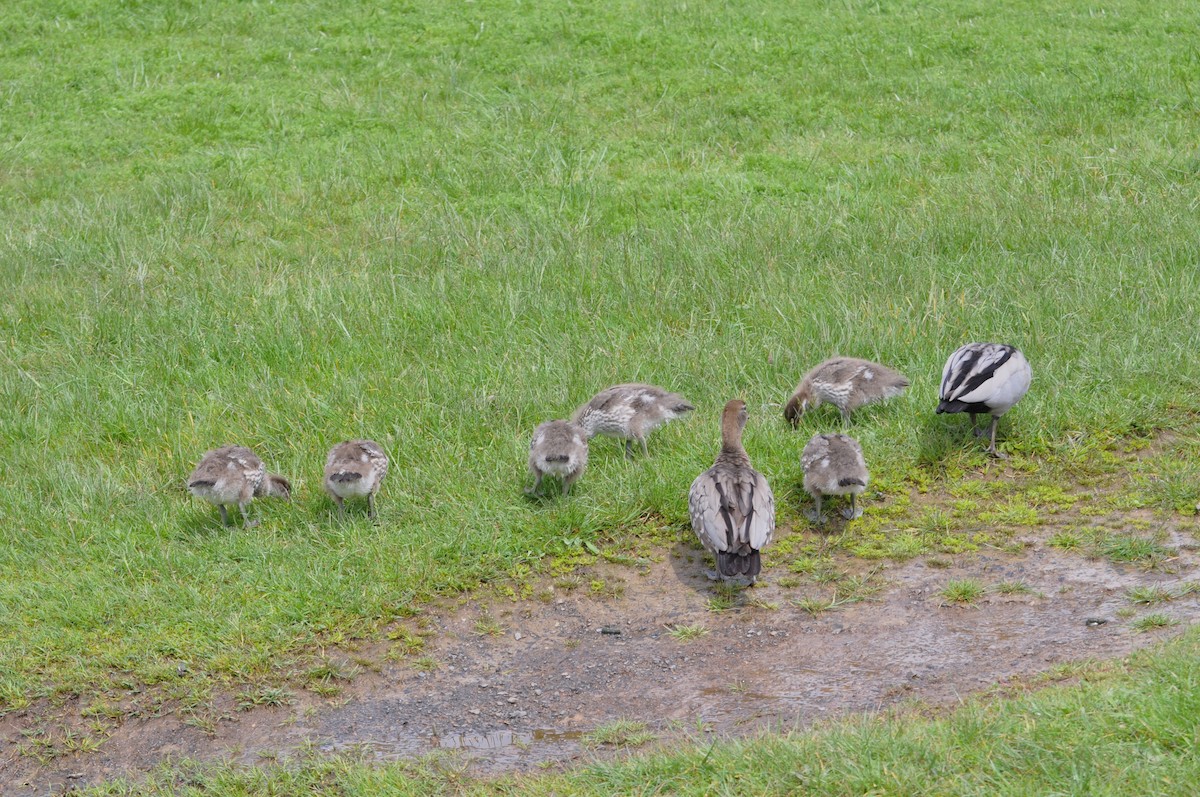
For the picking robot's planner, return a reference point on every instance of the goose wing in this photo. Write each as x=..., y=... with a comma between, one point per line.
x=712, y=519
x=760, y=522
x=970, y=372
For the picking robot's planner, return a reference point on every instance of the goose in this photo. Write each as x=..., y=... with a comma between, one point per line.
x=558, y=448
x=984, y=378
x=731, y=505
x=630, y=412
x=833, y=465
x=355, y=469
x=235, y=475
x=846, y=382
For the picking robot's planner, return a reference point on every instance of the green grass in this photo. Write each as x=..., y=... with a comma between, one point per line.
x=687, y=633
x=964, y=590
x=620, y=733
x=438, y=224
x=1153, y=622
x=1124, y=730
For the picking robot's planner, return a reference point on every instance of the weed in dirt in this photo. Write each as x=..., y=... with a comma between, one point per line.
x=1131, y=548
x=857, y=588
x=721, y=603
x=264, y=696
x=687, y=633
x=813, y=606
x=424, y=664
x=966, y=591
x=1066, y=540
x=1153, y=622
x=486, y=625
x=1015, y=588
x=620, y=733
x=1149, y=595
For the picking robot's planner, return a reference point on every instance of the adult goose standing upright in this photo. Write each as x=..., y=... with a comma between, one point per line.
x=833, y=465
x=731, y=505
x=558, y=448
x=630, y=412
x=984, y=378
x=235, y=475
x=355, y=469
x=845, y=382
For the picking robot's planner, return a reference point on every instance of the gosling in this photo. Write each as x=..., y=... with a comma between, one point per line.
x=847, y=383
x=235, y=475
x=731, y=505
x=355, y=469
x=559, y=449
x=630, y=412
x=833, y=465
x=984, y=378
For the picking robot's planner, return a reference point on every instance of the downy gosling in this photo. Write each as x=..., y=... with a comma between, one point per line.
x=355, y=469
x=845, y=382
x=833, y=465
x=731, y=505
x=630, y=412
x=984, y=378
x=559, y=449
x=235, y=475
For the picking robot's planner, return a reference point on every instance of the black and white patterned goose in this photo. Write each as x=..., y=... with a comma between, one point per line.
x=984, y=378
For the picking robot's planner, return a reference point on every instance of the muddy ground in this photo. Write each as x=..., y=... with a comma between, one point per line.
x=519, y=684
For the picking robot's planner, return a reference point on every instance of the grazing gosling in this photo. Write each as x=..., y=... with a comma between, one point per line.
x=558, y=448
x=833, y=465
x=630, y=412
x=235, y=475
x=355, y=469
x=847, y=383
x=984, y=378
x=732, y=508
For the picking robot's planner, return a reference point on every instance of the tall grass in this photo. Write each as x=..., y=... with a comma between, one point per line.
x=438, y=224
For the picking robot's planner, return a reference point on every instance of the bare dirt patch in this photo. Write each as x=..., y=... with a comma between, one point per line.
x=521, y=683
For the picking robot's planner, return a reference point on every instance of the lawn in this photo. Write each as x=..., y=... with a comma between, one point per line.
x=438, y=224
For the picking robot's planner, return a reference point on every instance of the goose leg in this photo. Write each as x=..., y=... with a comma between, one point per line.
x=991, y=449
x=645, y=452
x=371, y=506
x=852, y=512
x=341, y=505
x=815, y=515
x=247, y=523
x=536, y=489
x=975, y=430
x=628, y=448
x=845, y=416
x=224, y=514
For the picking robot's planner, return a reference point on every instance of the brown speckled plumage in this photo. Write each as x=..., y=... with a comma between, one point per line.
x=846, y=382
x=355, y=469
x=558, y=448
x=235, y=475
x=834, y=465
x=731, y=504
x=630, y=412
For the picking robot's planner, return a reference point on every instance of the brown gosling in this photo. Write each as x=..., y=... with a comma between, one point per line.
x=355, y=469
x=560, y=449
x=630, y=412
x=833, y=465
x=732, y=508
x=846, y=382
x=984, y=378
x=235, y=475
